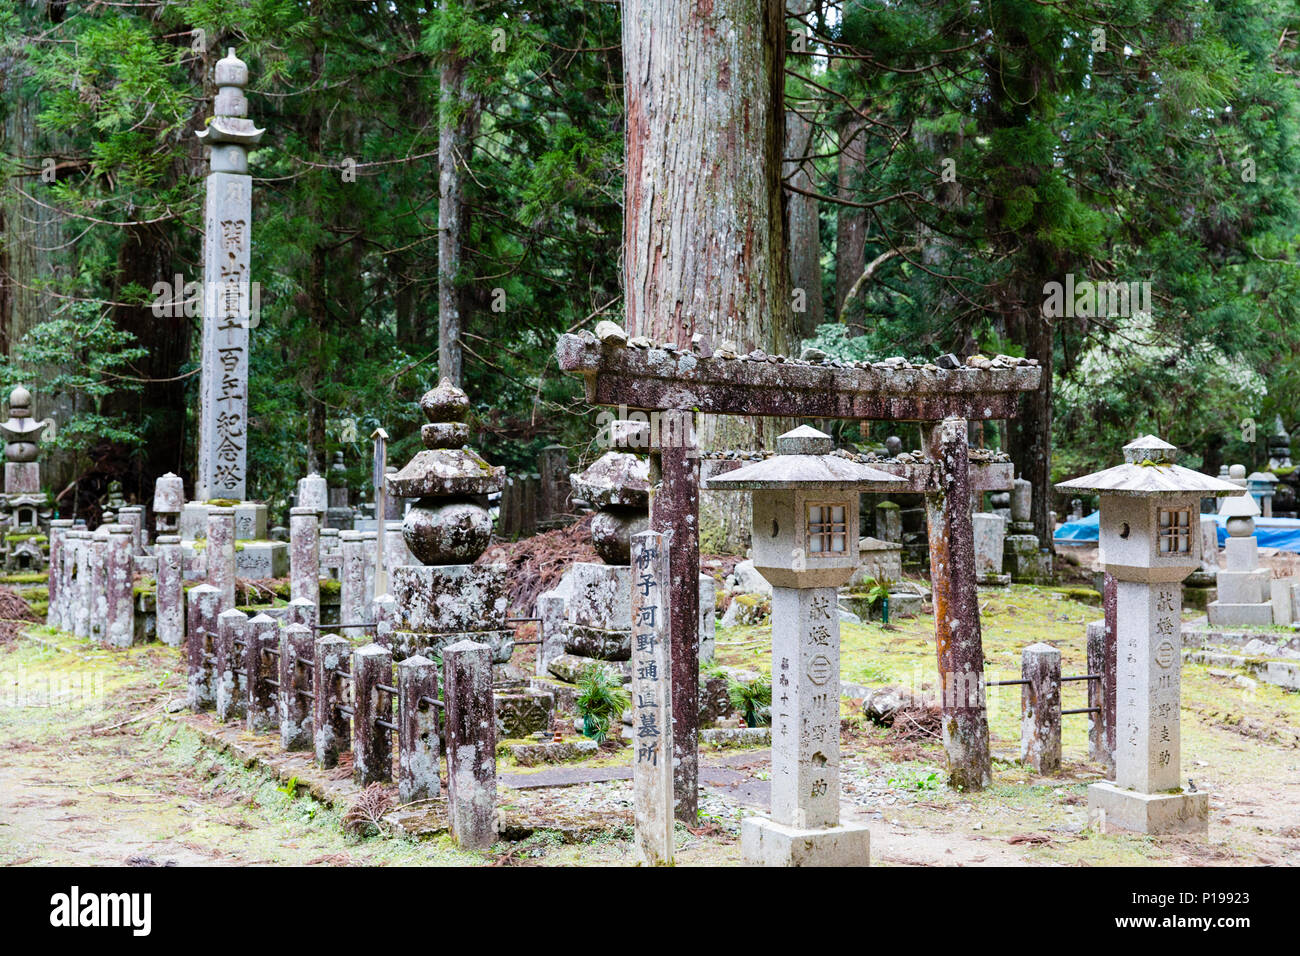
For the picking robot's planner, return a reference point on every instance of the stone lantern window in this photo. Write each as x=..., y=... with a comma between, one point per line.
x=828, y=528
x=1175, y=533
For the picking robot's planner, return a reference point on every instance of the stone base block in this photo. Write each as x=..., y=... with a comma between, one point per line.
x=601, y=596
x=1155, y=813
x=570, y=668
x=1223, y=614
x=597, y=642
x=446, y=598
x=524, y=712
x=1244, y=587
x=260, y=560
x=22, y=477
x=764, y=842
x=993, y=580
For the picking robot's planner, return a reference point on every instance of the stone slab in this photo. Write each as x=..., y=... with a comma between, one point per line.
x=448, y=598
x=1223, y=614
x=596, y=642
x=260, y=560
x=766, y=843
x=1152, y=813
x=601, y=596
x=1243, y=587
x=502, y=642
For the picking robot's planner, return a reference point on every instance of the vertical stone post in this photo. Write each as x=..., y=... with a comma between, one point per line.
x=133, y=517
x=304, y=555
x=81, y=596
x=471, y=744
x=1150, y=673
x=329, y=724
x=552, y=609
x=958, y=642
x=675, y=513
x=1098, y=722
x=805, y=708
x=68, y=583
x=98, y=583
x=229, y=668
x=383, y=612
x=170, y=595
x=262, y=708
x=296, y=646
x=352, y=581
x=1110, y=660
x=220, y=553
x=417, y=730
x=119, y=601
x=708, y=617
x=652, y=701
x=372, y=741
x=370, y=567
x=227, y=244
x=1040, y=708
x=302, y=611
x=204, y=606
x=58, y=538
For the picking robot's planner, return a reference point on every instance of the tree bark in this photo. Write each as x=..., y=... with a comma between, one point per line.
x=803, y=228
x=703, y=230
x=850, y=223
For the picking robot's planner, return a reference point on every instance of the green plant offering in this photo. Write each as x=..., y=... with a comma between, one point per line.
x=600, y=700
x=753, y=698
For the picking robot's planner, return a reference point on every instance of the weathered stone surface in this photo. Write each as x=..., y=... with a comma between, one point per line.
x=1098, y=746
x=297, y=644
x=352, y=583
x=749, y=581
x=262, y=707
x=331, y=660
x=612, y=529
x=304, y=554
x=372, y=743
x=302, y=611
x=262, y=560
x=736, y=736
x=708, y=617
x=600, y=596
x=1152, y=813
x=1040, y=708
x=446, y=472
x=228, y=671
x=440, y=531
x=169, y=497
x=471, y=744
x=220, y=553
x=500, y=642
x=204, y=606
x=553, y=609
x=769, y=843
x=81, y=597
x=521, y=713
x=989, y=531
x=383, y=614
x=170, y=591
x=313, y=494
x=597, y=642
x=451, y=598
x=566, y=751
x=615, y=479
x=652, y=700
x=119, y=606
x=417, y=735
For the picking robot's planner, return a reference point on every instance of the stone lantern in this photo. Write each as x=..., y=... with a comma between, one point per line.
x=805, y=533
x=1150, y=540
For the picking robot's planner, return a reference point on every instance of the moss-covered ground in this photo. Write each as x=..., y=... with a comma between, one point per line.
x=94, y=770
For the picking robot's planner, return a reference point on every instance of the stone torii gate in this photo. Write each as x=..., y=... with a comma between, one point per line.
x=638, y=375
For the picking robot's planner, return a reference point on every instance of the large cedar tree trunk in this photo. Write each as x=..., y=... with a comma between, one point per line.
x=703, y=227
x=457, y=125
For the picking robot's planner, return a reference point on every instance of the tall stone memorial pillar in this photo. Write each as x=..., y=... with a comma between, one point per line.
x=227, y=298
x=805, y=525
x=1150, y=540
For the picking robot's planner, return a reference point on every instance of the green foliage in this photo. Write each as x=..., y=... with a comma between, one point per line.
x=601, y=698
x=753, y=698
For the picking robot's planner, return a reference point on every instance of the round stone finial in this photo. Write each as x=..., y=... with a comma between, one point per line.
x=445, y=403
x=20, y=402
x=1237, y=471
x=231, y=70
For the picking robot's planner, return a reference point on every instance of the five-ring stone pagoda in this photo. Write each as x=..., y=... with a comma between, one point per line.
x=1150, y=540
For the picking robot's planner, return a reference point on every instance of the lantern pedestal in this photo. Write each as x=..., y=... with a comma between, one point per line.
x=765, y=842
x=1154, y=813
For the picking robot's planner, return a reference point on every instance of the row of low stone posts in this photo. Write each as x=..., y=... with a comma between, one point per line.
x=325, y=696
x=91, y=588
x=1040, y=703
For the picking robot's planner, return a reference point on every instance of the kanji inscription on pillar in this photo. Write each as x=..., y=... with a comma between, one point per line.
x=652, y=727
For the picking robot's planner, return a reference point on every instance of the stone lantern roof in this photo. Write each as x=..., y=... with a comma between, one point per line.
x=804, y=459
x=444, y=469
x=1239, y=506
x=1149, y=472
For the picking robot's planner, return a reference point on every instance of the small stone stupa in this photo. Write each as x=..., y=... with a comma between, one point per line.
x=22, y=432
x=1243, y=586
x=448, y=598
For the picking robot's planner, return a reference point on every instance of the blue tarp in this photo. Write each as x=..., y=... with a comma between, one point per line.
x=1280, y=533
